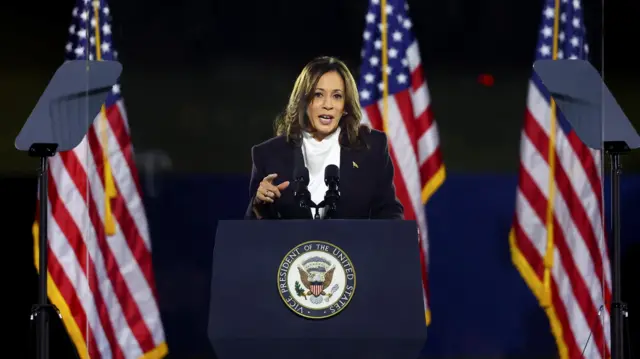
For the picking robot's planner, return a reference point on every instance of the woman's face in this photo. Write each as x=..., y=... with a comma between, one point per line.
x=327, y=104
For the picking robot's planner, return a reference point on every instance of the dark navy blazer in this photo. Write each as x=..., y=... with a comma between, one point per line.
x=366, y=180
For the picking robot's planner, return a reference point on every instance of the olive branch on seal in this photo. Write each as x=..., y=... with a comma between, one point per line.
x=299, y=290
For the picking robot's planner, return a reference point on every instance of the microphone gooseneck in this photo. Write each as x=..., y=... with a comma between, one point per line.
x=301, y=192
x=332, y=196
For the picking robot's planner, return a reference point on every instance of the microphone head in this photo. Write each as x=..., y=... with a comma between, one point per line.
x=301, y=174
x=331, y=172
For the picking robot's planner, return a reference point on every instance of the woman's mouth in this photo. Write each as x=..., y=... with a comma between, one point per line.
x=325, y=119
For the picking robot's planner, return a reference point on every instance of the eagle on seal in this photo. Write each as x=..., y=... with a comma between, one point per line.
x=316, y=281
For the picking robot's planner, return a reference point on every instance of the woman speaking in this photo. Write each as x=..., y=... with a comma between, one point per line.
x=323, y=151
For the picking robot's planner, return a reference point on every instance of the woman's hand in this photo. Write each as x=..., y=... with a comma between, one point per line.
x=267, y=191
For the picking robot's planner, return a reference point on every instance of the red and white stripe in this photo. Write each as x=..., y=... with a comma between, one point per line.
x=102, y=284
x=580, y=282
x=414, y=146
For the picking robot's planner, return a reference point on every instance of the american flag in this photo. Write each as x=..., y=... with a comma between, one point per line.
x=557, y=239
x=100, y=274
x=397, y=101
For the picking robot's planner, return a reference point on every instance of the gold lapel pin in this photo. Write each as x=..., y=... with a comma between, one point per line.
x=355, y=165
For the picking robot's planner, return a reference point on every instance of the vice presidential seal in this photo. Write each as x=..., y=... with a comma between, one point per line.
x=316, y=280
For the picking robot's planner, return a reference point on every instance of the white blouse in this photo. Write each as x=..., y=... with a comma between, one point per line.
x=317, y=156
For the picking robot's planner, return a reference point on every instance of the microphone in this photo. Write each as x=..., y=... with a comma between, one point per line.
x=332, y=196
x=301, y=193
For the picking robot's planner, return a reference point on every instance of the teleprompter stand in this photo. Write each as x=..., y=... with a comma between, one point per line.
x=58, y=123
x=600, y=123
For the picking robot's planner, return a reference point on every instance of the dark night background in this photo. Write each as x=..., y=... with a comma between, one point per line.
x=203, y=81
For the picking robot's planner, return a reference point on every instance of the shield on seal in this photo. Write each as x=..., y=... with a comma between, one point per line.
x=316, y=288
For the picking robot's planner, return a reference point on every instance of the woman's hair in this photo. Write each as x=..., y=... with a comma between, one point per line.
x=294, y=120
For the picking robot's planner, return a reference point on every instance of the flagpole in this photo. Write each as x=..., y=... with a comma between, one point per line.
x=109, y=186
x=383, y=69
x=548, y=257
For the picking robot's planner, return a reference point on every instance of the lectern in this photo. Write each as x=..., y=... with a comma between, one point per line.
x=317, y=289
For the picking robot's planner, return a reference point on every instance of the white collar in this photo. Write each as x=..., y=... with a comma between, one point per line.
x=312, y=144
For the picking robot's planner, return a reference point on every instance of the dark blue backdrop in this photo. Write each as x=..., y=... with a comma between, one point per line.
x=480, y=304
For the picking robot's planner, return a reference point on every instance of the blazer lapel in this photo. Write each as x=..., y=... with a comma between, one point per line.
x=348, y=174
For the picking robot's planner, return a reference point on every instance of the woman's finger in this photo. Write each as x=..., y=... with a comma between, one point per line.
x=262, y=197
x=271, y=190
x=270, y=178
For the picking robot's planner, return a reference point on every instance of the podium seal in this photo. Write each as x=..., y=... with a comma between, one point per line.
x=316, y=280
